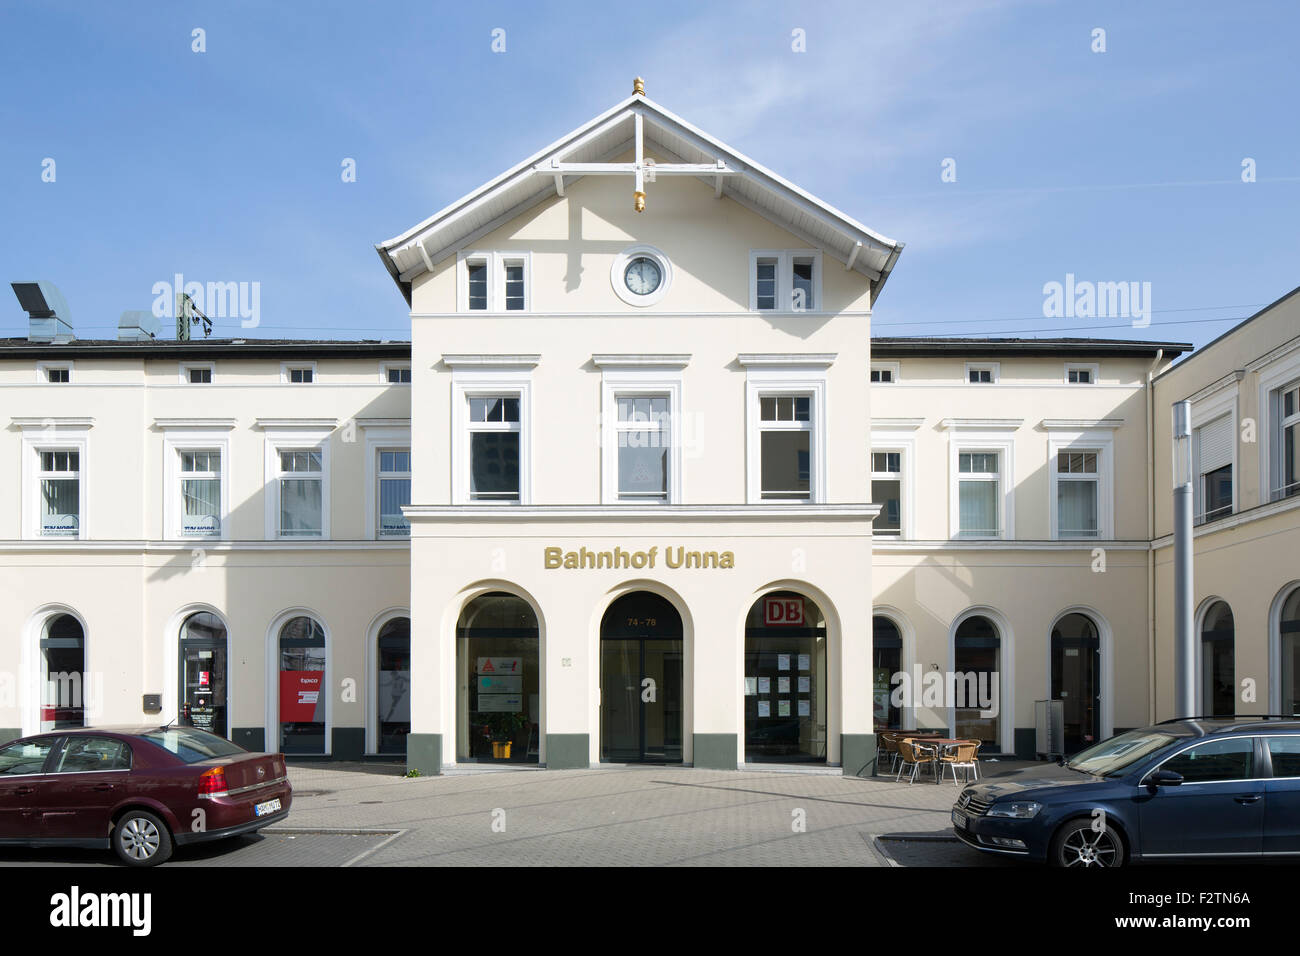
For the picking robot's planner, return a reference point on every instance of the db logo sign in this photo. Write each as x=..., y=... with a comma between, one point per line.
x=783, y=612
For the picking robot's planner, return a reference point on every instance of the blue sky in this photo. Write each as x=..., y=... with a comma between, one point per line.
x=225, y=165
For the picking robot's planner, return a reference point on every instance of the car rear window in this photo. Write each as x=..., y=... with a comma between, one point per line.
x=1285, y=752
x=192, y=745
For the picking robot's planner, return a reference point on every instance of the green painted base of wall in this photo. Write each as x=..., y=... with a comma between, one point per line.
x=424, y=753
x=568, y=752
x=250, y=738
x=10, y=733
x=857, y=754
x=1026, y=741
x=348, y=743
x=714, y=751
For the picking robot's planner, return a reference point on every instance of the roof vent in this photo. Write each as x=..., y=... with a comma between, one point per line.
x=137, y=326
x=47, y=312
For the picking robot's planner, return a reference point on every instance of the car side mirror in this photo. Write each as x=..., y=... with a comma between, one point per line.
x=1164, y=778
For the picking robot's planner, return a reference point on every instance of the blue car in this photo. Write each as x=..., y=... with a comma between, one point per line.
x=1193, y=787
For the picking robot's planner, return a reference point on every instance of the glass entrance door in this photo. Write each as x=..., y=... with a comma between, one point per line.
x=641, y=667
x=1076, y=680
x=203, y=687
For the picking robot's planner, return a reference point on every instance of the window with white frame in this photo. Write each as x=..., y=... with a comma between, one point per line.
x=494, y=425
x=397, y=373
x=56, y=373
x=785, y=280
x=1285, y=442
x=982, y=373
x=200, y=492
x=643, y=439
x=476, y=280
x=492, y=282
x=394, y=491
x=1078, y=493
x=1212, y=448
x=887, y=491
x=59, y=476
x=1076, y=374
x=884, y=373
x=979, y=494
x=303, y=374
x=785, y=435
x=196, y=374
x=512, y=273
x=300, y=480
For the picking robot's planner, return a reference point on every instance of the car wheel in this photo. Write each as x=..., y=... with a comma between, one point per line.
x=1078, y=844
x=141, y=839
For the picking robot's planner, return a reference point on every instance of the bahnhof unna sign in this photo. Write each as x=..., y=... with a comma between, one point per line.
x=674, y=556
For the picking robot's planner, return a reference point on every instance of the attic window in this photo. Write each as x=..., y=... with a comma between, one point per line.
x=785, y=280
x=477, y=272
x=54, y=373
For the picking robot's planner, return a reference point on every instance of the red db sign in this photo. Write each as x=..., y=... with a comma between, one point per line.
x=782, y=612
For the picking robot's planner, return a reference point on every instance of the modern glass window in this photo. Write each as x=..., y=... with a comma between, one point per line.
x=394, y=491
x=886, y=491
x=514, y=277
x=1286, y=443
x=765, y=277
x=785, y=679
x=498, y=683
x=1289, y=640
x=979, y=487
x=785, y=447
x=1218, y=662
x=977, y=656
x=63, y=670
x=303, y=693
x=1078, y=494
x=59, y=473
x=200, y=478
x=494, y=431
x=1213, y=447
x=393, y=695
x=886, y=661
x=477, y=278
x=644, y=438
x=301, y=479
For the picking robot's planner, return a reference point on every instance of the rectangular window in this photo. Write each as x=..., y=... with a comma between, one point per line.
x=644, y=437
x=978, y=489
x=494, y=447
x=477, y=277
x=200, y=478
x=58, y=375
x=766, y=282
x=980, y=374
x=300, y=375
x=882, y=376
x=60, y=481
x=1077, y=495
x=886, y=491
x=1286, y=443
x=301, y=480
x=398, y=374
x=785, y=447
x=1079, y=375
x=785, y=280
x=1213, y=448
x=514, y=286
x=394, y=491
x=801, y=279
x=198, y=375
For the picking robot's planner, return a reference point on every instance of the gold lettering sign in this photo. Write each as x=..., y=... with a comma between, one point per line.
x=674, y=556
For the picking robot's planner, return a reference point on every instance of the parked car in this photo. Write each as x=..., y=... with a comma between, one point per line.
x=1193, y=787
x=140, y=790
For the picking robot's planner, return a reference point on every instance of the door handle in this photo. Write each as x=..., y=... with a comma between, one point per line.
x=103, y=787
x=1247, y=800
x=23, y=791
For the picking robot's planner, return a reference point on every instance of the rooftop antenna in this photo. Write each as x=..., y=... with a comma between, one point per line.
x=187, y=314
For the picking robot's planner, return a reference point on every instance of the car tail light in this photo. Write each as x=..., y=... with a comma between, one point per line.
x=212, y=783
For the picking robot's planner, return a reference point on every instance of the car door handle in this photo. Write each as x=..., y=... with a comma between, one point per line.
x=23, y=791
x=103, y=787
x=1246, y=800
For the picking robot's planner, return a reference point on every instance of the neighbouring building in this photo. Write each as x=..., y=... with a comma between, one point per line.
x=642, y=486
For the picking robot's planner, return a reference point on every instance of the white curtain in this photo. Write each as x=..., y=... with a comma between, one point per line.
x=1076, y=504
x=978, y=507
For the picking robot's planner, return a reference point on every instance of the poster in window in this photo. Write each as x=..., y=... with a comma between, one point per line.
x=805, y=685
x=783, y=708
x=783, y=685
x=805, y=662
x=301, y=700
x=764, y=708
x=765, y=685
x=783, y=662
x=805, y=708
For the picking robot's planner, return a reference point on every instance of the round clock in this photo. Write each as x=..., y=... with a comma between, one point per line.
x=642, y=276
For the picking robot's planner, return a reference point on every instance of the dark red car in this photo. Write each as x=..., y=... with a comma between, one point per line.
x=141, y=790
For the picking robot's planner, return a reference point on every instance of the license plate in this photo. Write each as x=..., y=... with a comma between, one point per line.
x=262, y=809
x=959, y=819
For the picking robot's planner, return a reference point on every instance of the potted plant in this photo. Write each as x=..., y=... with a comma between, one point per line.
x=502, y=727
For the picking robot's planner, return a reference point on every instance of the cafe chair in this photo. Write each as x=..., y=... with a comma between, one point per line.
x=964, y=755
x=914, y=755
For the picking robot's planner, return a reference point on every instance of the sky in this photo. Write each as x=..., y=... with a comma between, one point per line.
x=1008, y=143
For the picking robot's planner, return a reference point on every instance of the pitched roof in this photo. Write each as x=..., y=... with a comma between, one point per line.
x=608, y=135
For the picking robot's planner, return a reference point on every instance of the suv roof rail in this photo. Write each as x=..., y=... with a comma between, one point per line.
x=1175, y=720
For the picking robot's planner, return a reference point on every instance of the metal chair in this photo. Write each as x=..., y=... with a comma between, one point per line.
x=964, y=755
x=914, y=755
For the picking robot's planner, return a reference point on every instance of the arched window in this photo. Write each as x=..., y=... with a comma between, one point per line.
x=303, y=694
x=393, y=695
x=1289, y=635
x=1076, y=679
x=203, y=648
x=1218, y=675
x=785, y=679
x=498, y=680
x=886, y=661
x=63, y=673
x=977, y=662
x=641, y=678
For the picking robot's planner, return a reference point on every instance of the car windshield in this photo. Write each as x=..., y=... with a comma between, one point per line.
x=192, y=745
x=1112, y=757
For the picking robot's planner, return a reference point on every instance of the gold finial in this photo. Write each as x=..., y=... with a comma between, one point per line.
x=638, y=200
x=638, y=86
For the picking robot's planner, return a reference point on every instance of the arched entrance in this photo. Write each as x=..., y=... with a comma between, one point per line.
x=785, y=679
x=1288, y=644
x=1076, y=679
x=63, y=673
x=977, y=666
x=303, y=698
x=1218, y=662
x=498, y=696
x=393, y=686
x=202, y=686
x=886, y=661
x=641, y=673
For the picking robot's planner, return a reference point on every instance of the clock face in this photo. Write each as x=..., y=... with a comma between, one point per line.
x=642, y=275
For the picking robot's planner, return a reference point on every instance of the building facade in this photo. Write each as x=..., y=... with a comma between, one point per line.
x=641, y=487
